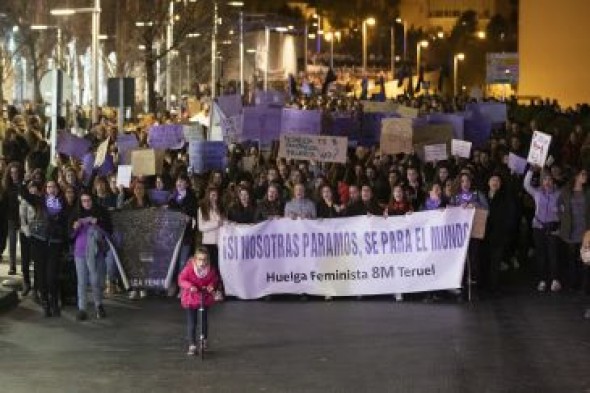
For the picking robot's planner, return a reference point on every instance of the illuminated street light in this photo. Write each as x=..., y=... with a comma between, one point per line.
x=481, y=35
x=95, y=11
x=419, y=46
x=456, y=59
x=405, y=25
x=366, y=22
x=440, y=35
x=59, y=40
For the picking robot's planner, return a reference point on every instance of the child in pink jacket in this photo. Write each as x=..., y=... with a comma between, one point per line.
x=198, y=275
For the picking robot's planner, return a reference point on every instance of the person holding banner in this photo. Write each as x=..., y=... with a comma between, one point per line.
x=468, y=197
x=271, y=206
x=300, y=206
x=90, y=224
x=183, y=199
x=326, y=207
x=242, y=211
x=399, y=204
x=210, y=219
x=545, y=229
x=366, y=205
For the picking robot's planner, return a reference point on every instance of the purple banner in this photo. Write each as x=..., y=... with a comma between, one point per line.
x=261, y=124
x=230, y=105
x=107, y=167
x=477, y=130
x=125, y=144
x=371, y=128
x=297, y=121
x=269, y=98
x=158, y=197
x=496, y=112
x=168, y=136
x=207, y=155
x=456, y=120
x=147, y=259
x=343, y=124
x=72, y=145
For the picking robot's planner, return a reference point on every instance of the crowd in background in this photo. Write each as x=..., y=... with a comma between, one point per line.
x=59, y=215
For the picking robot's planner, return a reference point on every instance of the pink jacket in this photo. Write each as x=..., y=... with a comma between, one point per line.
x=188, y=278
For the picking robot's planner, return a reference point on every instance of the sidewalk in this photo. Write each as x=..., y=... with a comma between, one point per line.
x=8, y=294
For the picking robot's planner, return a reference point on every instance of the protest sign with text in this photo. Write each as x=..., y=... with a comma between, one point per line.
x=461, y=148
x=539, y=148
x=396, y=135
x=168, y=136
x=346, y=256
x=314, y=148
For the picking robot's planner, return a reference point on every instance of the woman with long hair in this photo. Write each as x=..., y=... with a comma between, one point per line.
x=574, y=219
x=327, y=207
x=545, y=229
x=48, y=234
x=90, y=223
x=243, y=210
x=210, y=219
x=11, y=186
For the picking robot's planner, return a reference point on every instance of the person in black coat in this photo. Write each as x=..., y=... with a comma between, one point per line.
x=243, y=211
x=48, y=236
x=365, y=206
x=498, y=225
x=183, y=199
x=326, y=207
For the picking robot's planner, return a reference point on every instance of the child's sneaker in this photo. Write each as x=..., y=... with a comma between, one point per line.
x=192, y=350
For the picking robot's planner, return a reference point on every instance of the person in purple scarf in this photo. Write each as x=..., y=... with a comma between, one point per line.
x=48, y=234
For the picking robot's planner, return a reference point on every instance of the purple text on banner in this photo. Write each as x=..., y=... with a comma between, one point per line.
x=269, y=98
x=477, y=130
x=230, y=105
x=297, y=121
x=261, y=123
x=207, y=155
x=168, y=136
x=456, y=120
x=72, y=145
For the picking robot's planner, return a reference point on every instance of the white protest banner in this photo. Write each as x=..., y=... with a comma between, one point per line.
x=407, y=111
x=101, y=153
x=146, y=162
x=461, y=148
x=396, y=135
x=313, y=148
x=346, y=256
x=517, y=164
x=124, y=175
x=231, y=127
x=379, y=107
x=539, y=148
x=433, y=153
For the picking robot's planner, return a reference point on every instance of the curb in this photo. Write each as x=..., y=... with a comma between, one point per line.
x=8, y=299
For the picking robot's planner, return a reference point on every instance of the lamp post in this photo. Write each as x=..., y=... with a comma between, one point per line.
x=214, y=55
x=59, y=46
x=95, y=11
x=405, y=25
x=169, y=41
x=330, y=37
x=393, y=51
x=421, y=44
x=456, y=59
x=366, y=22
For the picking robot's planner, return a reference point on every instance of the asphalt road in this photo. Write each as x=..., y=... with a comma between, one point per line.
x=521, y=343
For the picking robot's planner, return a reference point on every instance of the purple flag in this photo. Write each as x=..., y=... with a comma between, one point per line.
x=168, y=136
x=454, y=119
x=297, y=121
x=269, y=98
x=230, y=105
x=72, y=145
x=477, y=130
x=263, y=124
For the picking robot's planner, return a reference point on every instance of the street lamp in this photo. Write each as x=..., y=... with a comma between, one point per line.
x=421, y=44
x=331, y=37
x=95, y=11
x=481, y=35
x=366, y=22
x=456, y=59
x=405, y=25
x=59, y=51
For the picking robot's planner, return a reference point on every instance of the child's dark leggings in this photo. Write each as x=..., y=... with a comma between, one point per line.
x=192, y=319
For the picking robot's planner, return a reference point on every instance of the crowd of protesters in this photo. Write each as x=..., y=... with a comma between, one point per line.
x=60, y=216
